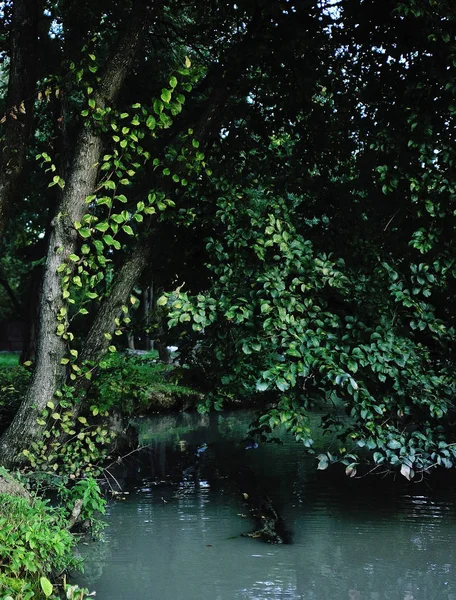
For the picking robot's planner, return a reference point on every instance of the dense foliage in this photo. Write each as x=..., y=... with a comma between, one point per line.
x=287, y=168
x=33, y=545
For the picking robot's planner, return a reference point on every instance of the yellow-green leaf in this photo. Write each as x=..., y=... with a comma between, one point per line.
x=46, y=586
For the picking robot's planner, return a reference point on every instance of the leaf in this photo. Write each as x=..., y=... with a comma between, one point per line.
x=166, y=95
x=323, y=462
x=351, y=470
x=108, y=239
x=282, y=384
x=394, y=445
x=162, y=301
x=246, y=348
x=151, y=122
x=173, y=82
x=378, y=457
x=46, y=586
x=84, y=232
x=407, y=472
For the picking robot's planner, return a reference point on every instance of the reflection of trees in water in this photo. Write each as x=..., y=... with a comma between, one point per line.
x=95, y=556
x=341, y=561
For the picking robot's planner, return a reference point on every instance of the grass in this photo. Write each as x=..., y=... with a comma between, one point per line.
x=8, y=359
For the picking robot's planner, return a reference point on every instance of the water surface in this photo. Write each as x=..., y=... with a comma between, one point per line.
x=362, y=539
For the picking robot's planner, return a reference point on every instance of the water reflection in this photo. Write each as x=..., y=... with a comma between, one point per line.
x=352, y=540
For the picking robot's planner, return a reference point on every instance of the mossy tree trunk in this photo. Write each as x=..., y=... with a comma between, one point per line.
x=49, y=374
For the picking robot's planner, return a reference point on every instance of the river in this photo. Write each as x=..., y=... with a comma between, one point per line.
x=371, y=538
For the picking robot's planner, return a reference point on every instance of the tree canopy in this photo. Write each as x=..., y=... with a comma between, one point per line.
x=283, y=171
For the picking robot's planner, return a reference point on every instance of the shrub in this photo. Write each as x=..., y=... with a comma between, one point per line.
x=34, y=544
x=127, y=382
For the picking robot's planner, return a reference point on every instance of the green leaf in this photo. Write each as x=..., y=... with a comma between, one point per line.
x=173, y=82
x=158, y=106
x=102, y=227
x=151, y=122
x=166, y=95
x=128, y=230
x=46, y=586
x=282, y=384
x=108, y=239
x=84, y=232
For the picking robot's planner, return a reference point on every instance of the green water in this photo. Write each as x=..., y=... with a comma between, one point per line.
x=362, y=539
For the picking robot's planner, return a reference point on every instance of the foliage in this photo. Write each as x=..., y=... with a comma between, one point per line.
x=8, y=359
x=13, y=385
x=127, y=383
x=73, y=445
x=312, y=175
x=93, y=504
x=34, y=543
x=288, y=319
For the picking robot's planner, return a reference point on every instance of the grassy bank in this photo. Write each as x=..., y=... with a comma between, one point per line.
x=9, y=359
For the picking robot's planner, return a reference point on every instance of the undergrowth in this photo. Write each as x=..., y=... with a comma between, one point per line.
x=35, y=546
x=130, y=383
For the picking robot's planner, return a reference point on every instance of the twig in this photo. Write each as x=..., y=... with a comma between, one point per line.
x=111, y=475
x=121, y=458
x=389, y=222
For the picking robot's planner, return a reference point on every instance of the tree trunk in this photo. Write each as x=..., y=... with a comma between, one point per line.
x=19, y=102
x=111, y=308
x=131, y=341
x=49, y=374
x=147, y=306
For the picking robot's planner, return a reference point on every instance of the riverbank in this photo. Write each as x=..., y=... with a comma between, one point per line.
x=37, y=555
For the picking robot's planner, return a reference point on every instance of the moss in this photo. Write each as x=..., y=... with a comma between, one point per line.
x=10, y=486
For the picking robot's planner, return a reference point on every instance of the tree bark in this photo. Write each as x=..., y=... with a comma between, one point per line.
x=49, y=374
x=19, y=102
